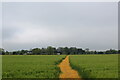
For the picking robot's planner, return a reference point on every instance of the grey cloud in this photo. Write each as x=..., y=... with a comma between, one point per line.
x=0, y=25
x=92, y=25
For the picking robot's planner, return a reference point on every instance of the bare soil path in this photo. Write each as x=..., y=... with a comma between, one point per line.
x=67, y=71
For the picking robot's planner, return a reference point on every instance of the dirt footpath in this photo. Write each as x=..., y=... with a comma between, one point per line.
x=67, y=71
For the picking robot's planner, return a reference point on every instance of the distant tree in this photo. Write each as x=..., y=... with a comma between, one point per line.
x=23, y=52
x=36, y=51
x=87, y=50
x=95, y=52
x=80, y=51
x=91, y=52
x=59, y=50
x=43, y=51
x=14, y=53
x=66, y=50
x=2, y=51
x=118, y=51
x=55, y=51
x=100, y=52
x=111, y=51
x=7, y=53
x=10, y=53
x=50, y=50
x=74, y=50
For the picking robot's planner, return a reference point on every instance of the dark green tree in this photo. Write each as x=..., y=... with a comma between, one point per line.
x=50, y=50
x=73, y=50
x=2, y=51
x=36, y=51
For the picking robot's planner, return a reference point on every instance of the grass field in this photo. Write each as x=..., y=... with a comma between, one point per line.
x=31, y=66
x=95, y=66
x=0, y=67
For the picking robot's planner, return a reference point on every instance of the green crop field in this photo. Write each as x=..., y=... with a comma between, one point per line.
x=95, y=66
x=45, y=66
x=31, y=66
x=0, y=67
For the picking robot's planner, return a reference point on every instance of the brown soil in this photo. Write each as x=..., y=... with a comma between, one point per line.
x=67, y=71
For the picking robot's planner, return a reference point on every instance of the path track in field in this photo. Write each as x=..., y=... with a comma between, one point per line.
x=67, y=71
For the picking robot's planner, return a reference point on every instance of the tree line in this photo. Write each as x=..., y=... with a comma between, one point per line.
x=57, y=51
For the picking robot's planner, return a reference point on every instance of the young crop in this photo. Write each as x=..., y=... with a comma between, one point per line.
x=31, y=66
x=95, y=66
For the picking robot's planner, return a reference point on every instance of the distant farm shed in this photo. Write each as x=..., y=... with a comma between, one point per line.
x=58, y=53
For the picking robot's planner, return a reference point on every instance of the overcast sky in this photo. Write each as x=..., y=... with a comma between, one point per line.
x=0, y=25
x=84, y=24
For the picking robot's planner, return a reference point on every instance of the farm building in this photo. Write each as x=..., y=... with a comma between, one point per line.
x=58, y=53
